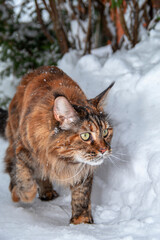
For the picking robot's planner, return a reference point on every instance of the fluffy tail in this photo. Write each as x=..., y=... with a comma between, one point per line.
x=3, y=120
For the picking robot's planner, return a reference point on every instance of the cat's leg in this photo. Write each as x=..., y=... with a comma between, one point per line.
x=45, y=190
x=81, y=202
x=25, y=188
x=10, y=158
x=10, y=165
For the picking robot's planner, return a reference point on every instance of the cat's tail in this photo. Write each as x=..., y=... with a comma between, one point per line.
x=3, y=121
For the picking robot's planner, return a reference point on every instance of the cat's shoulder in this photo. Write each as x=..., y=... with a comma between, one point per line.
x=49, y=72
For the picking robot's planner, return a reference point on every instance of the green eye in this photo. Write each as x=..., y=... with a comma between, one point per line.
x=105, y=133
x=85, y=136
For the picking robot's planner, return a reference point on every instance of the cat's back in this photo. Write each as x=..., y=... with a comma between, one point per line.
x=36, y=93
x=50, y=80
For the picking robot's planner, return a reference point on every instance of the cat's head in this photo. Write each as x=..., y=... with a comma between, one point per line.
x=84, y=134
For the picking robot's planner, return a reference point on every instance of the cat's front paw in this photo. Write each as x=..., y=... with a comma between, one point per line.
x=82, y=219
x=48, y=196
x=24, y=196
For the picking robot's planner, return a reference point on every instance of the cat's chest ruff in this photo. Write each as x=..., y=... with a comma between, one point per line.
x=72, y=174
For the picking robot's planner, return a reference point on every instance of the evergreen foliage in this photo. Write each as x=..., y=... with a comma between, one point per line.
x=23, y=44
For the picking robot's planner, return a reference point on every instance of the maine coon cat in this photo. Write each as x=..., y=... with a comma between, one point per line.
x=55, y=134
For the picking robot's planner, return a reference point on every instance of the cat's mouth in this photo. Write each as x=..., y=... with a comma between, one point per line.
x=93, y=162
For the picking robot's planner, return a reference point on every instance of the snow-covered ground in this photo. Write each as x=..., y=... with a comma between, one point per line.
x=126, y=191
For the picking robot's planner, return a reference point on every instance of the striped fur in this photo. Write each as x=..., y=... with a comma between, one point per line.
x=47, y=116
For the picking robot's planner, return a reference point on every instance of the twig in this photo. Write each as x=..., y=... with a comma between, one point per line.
x=136, y=23
x=46, y=33
x=74, y=13
x=145, y=15
x=46, y=6
x=116, y=35
x=124, y=25
x=60, y=33
x=88, y=37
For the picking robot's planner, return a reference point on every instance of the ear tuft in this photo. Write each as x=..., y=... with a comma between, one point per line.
x=64, y=113
x=99, y=100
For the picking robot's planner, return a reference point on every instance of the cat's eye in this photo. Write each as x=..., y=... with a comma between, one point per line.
x=105, y=133
x=85, y=136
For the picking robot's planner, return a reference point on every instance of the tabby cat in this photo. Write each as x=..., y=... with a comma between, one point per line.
x=55, y=134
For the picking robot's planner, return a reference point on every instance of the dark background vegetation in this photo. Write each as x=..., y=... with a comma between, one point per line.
x=47, y=34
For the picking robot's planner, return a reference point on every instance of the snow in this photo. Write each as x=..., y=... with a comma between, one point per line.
x=126, y=190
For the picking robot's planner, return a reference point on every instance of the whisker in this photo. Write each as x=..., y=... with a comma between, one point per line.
x=112, y=161
x=122, y=160
x=120, y=153
x=124, y=154
x=108, y=117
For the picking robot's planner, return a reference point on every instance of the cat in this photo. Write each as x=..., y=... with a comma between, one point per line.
x=55, y=134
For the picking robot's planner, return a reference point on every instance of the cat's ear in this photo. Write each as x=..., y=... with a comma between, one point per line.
x=64, y=113
x=99, y=100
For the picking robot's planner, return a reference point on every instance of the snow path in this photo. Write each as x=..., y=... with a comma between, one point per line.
x=126, y=191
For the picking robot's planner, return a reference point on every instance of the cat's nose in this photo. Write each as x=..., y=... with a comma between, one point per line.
x=103, y=150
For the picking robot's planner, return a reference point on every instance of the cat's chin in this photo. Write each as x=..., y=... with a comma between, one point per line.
x=95, y=163
x=91, y=162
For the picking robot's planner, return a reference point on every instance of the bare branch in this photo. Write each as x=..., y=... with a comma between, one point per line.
x=145, y=15
x=46, y=33
x=88, y=37
x=46, y=6
x=136, y=23
x=114, y=22
x=144, y=4
x=74, y=13
x=58, y=28
x=124, y=25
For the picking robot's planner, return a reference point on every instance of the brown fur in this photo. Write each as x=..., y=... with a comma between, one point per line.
x=45, y=143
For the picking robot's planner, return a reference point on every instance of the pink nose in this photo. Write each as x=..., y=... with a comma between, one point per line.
x=102, y=150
